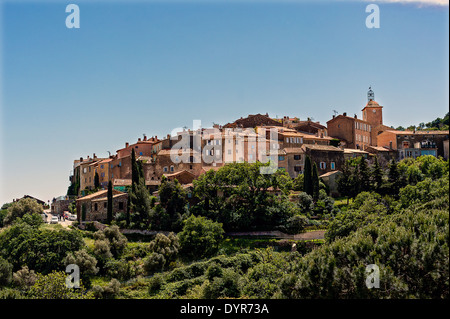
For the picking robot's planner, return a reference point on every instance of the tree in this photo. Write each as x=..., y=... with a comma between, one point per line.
x=315, y=183
x=117, y=241
x=173, y=202
x=84, y=261
x=96, y=181
x=347, y=183
x=53, y=286
x=377, y=175
x=5, y=272
x=298, y=183
x=200, y=237
x=140, y=205
x=307, y=180
x=40, y=249
x=163, y=250
x=24, y=278
x=363, y=176
x=134, y=169
x=394, y=179
x=21, y=208
x=109, y=213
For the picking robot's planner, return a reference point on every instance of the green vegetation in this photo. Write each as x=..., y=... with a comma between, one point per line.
x=405, y=233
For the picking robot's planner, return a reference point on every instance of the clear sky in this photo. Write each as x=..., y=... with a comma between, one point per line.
x=149, y=67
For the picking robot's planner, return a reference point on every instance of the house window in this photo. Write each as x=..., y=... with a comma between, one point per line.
x=229, y=152
x=101, y=166
x=103, y=174
x=287, y=139
x=281, y=158
x=140, y=153
x=250, y=157
x=95, y=207
x=165, y=169
x=104, y=205
x=89, y=168
x=171, y=168
x=297, y=157
x=323, y=165
x=84, y=170
x=405, y=144
x=297, y=168
x=333, y=166
x=190, y=166
x=120, y=205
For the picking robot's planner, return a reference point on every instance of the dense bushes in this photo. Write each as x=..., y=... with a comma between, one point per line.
x=410, y=248
x=200, y=237
x=42, y=250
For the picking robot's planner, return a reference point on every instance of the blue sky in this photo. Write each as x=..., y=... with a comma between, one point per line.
x=149, y=67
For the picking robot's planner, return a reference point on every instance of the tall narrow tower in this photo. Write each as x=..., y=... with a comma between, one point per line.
x=372, y=112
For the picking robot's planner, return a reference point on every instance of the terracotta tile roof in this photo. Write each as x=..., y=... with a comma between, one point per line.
x=105, y=198
x=321, y=147
x=179, y=173
x=424, y=132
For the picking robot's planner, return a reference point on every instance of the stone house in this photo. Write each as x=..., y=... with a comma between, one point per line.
x=95, y=206
x=327, y=158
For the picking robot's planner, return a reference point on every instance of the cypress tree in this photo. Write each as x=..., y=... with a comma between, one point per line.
x=347, y=184
x=109, y=213
x=307, y=180
x=315, y=182
x=134, y=170
x=364, y=176
x=377, y=175
x=96, y=181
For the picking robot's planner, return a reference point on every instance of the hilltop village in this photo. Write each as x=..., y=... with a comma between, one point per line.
x=248, y=140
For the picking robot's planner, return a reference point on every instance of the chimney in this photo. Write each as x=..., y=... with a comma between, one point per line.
x=168, y=136
x=345, y=113
x=95, y=156
x=334, y=116
x=139, y=139
x=81, y=159
x=126, y=144
x=145, y=137
x=356, y=116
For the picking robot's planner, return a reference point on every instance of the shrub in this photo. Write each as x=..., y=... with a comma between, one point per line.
x=53, y=286
x=24, y=278
x=5, y=272
x=200, y=237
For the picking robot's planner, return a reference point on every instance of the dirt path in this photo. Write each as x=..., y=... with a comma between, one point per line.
x=316, y=234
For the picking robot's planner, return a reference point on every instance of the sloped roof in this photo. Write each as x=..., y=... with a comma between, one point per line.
x=318, y=147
